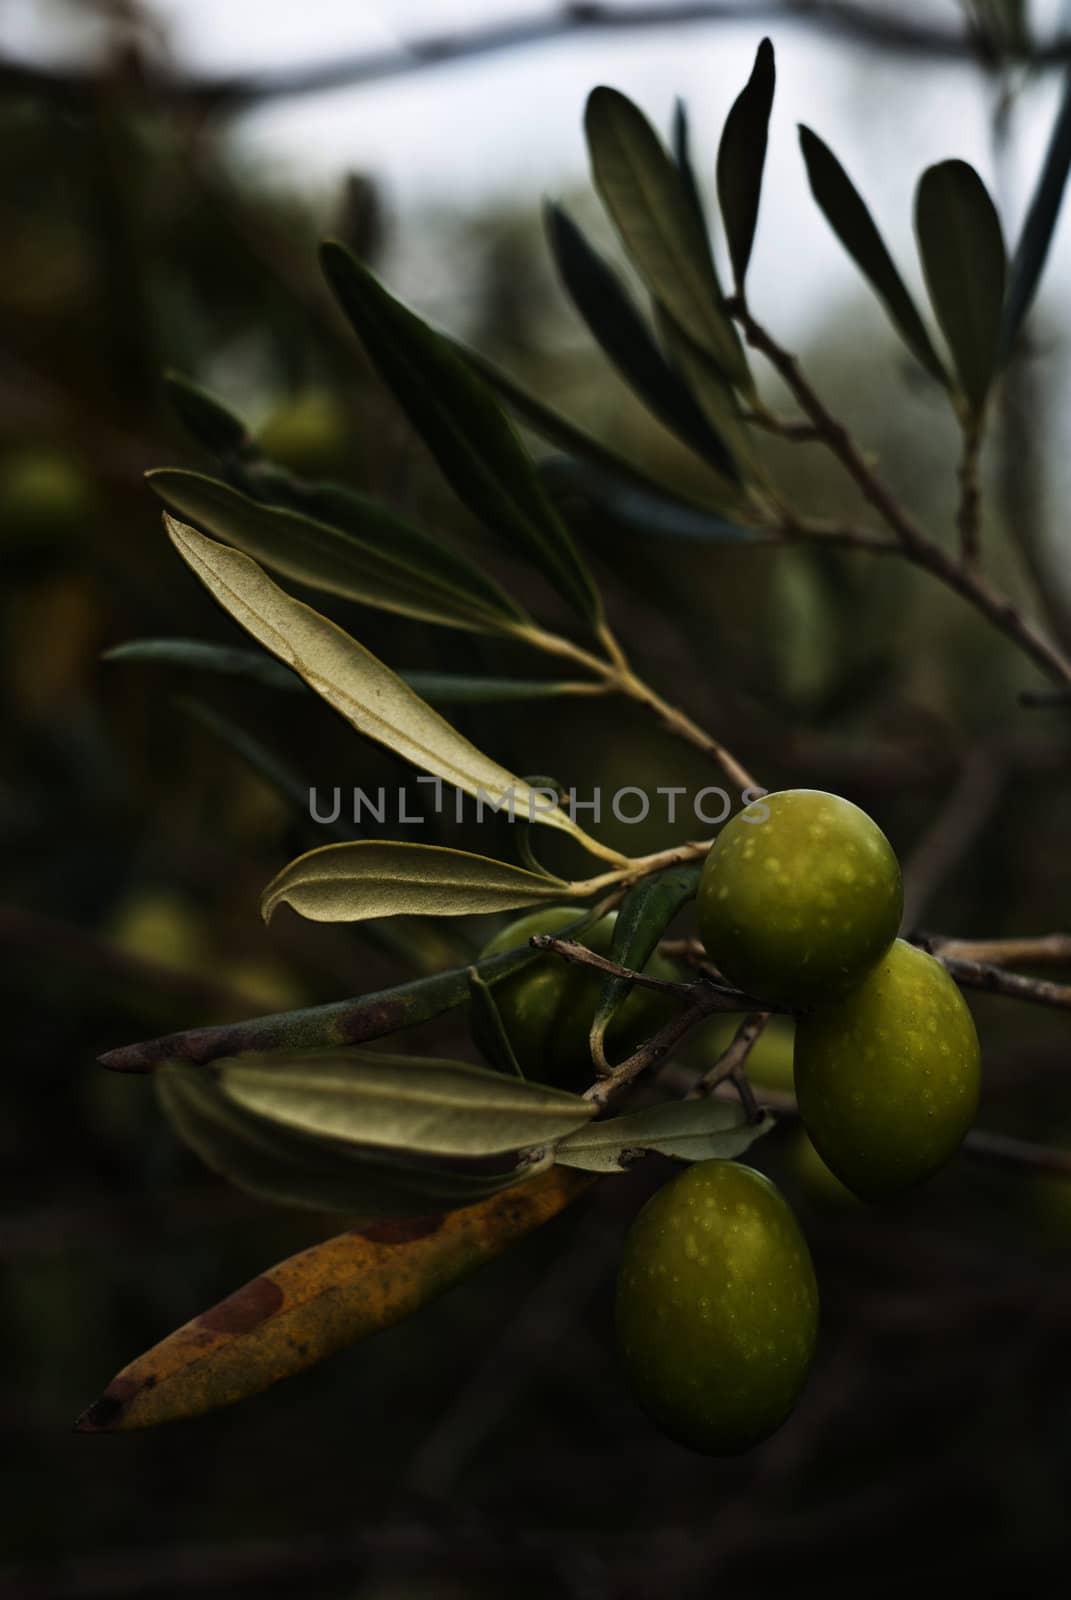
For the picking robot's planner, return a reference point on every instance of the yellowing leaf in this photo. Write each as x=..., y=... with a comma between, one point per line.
x=352, y=680
x=318, y=1302
x=384, y=878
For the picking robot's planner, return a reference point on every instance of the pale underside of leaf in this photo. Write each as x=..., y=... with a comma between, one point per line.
x=375, y=878
x=353, y=681
x=686, y=1130
x=406, y=1103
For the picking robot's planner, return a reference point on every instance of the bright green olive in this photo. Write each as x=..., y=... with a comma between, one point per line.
x=887, y=1076
x=800, y=895
x=717, y=1308
x=547, y=1009
x=310, y=434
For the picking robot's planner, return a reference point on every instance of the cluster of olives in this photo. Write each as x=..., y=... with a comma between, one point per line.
x=799, y=905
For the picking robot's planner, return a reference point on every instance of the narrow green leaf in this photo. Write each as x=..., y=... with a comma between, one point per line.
x=1031, y=253
x=384, y=878
x=280, y=1163
x=646, y=912
x=204, y=417
x=474, y=444
x=741, y=159
x=650, y=207
x=353, y=681
x=440, y=688
x=227, y=659
x=609, y=312
x=392, y=565
x=342, y=1022
x=686, y=1130
x=682, y=155
x=846, y=212
x=962, y=251
x=644, y=511
x=413, y=1104
x=713, y=393
x=454, y=689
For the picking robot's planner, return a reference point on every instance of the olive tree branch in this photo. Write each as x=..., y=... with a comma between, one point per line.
x=1039, y=950
x=730, y=1066
x=911, y=539
x=617, y=676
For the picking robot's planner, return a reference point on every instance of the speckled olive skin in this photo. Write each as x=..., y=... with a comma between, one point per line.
x=547, y=1008
x=717, y=1308
x=887, y=1077
x=800, y=895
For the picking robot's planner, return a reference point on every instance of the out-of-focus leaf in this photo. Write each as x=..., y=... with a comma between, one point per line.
x=476, y=448
x=204, y=417
x=382, y=878
x=714, y=395
x=282, y=1164
x=846, y=212
x=682, y=155
x=1031, y=253
x=342, y=1022
x=393, y=565
x=741, y=159
x=962, y=251
x=643, y=511
x=687, y=1130
x=413, y=1104
x=228, y=659
x=350, y=678
x=441, y=688
x=487, y=1028
x=454, y=689
x=608, y=310
x=320, y=1301
x=643, y=192
x=646, y=912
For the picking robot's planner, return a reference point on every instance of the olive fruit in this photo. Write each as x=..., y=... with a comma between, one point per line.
x=887, y=1076
x=547, y=1008
x=800, y=895
x=717, y=1308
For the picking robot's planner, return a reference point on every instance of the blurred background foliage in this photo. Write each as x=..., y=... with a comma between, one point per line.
x=487, y=1445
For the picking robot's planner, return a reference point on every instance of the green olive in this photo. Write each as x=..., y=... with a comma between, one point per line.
x=547, y=1009
x=800, y=895
x=887, y=1076
x=717, y=1308
x=310, y=434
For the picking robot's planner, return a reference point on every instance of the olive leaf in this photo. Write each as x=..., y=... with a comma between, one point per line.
x=682, y=155
x=741, y=159
x=205, y=418
x=440, y=688
x=609, y=312
x=384, y=878
x=351, y=679
x=473, y=442
x=646, y=912
x=342, y=1022
x=1031, y=253
x=846, y=212
x=391, y=564
x=414, y=1104
x=687, y=1130
x=646, y=511
x=319, y=1301
x=714, y=395
x=644, y=194
x=227, y=659
x=962, y=250
x=279, y=1163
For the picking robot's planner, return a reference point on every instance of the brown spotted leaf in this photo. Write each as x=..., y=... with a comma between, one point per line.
x=320, y=1301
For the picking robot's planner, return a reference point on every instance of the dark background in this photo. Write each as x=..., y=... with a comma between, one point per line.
x=488, y=1446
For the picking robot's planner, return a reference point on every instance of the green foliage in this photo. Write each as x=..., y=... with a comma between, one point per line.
x=741, y=159
x=962, y=250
